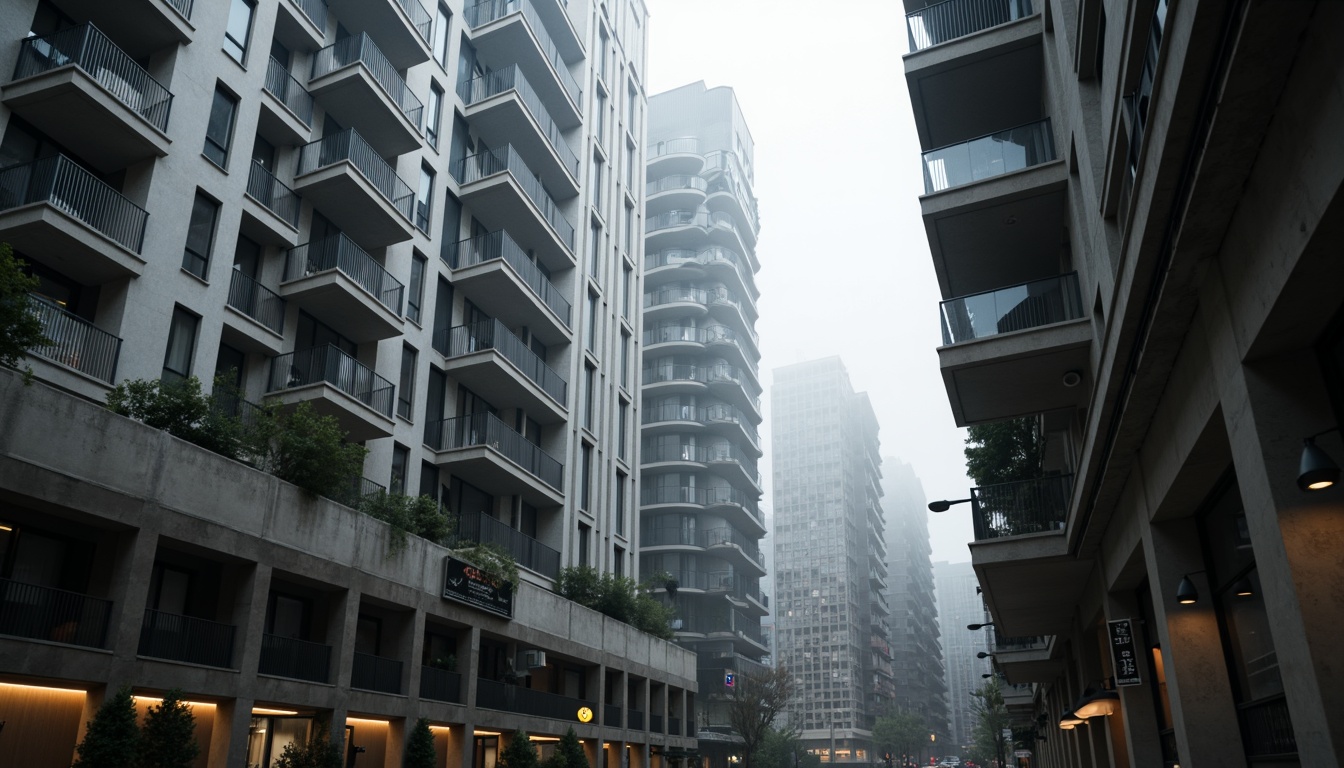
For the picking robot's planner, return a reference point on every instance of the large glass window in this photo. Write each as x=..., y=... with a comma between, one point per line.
x=406, y=387
x=415, y=291
x=200, y=235
x=401, y=457
x=434, y=115
x=424, y=199
x=586, y=477
x=181, y=345
x=219, y=131
x=441, y=25
x=239, y=29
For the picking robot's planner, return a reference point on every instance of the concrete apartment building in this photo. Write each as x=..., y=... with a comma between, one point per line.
x=831, y=619
x=700, y=515
x=916, y=656
x=959, y=605
x=1134, y=211
x=423, y=220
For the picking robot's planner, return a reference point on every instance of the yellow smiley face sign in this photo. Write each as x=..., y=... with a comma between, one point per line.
x=585, y=715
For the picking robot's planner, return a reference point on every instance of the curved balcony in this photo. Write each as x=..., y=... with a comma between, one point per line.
x=731, y=190
x=719, y=228
x=675, y=457
x=499, y=277
x=988, y=156
x=735, y=465
x=721, y=541
x=505, y=193
x=512, y=32
x=354, y=186
x=664, y=377
x=348, y=289
x=690, y=264
x=337, y=385
x=731, y=383
x=400, y=27
x=488, y=357
x=722, y=419
x=504, y=106
x=496, y=458
x=675, y=300
x=674, y=156
x=361, y=89
x=679, y=191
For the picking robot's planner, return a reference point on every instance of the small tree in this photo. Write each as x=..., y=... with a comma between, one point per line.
x=420, y=748
x=581, y=583
x=168, y=739
x=781, y=749
x=419, y=515
x=1004, y=452
x=569, y=752
x=20, y=329
x=520, y=752
x=179, y=408
x=757, y=699
x=305, y=448
x=317, y=752
x=991, y=718
x=111, y=738
x=900, y=733
x=493, y=560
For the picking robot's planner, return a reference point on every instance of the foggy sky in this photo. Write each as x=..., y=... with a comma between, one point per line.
x=845, y=266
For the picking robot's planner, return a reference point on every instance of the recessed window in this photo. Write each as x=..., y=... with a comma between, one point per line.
x=434, y=115
x=219, y=131
x=441, y=37
x=239, y=29
x=200, y=235
x=416, y=289
x=424, y=199
x=181, y=345
x=406, y=387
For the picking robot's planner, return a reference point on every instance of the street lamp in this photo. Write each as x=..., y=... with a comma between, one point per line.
x=977, y=627
x=944, y=505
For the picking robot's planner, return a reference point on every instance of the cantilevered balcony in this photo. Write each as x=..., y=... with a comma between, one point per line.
x=739, y=509
x=287, y=111
x=1026, y=659
x=527, y=551
x=952, y=19
x=53, y=615
x=488, y=357
x=675, y=156
x=354, y=186
x=301, y=25
x=504, y=106
x=337, y=385
x=737, y=548
x=676, y=192
x=271, y=209
x=58, y=213
x=356, y=84
x=666, y=229
x=988, y=156
x=141, y=27
x=1017, y=351
x=503, y=191
x=254, y=305
x=715, y=262
x=497, y=459
x=402, y=28
x=79, y=88
x=499, y=277
x=75, y=342
x=509, y=32
x=336, y=281
x=1016, y=509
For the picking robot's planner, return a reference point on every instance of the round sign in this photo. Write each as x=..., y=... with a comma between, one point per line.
x=585, y=715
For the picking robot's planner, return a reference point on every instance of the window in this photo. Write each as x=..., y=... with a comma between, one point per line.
x=627, y=284
x=441, y=37
x=592, y=323
x=603, y=45
x=406, y=387
x=622, y=426
x=620, y=502
x=595, y=253
x=625, y=359
x=618, y=562
x=595, y=181
x=632, y=106
x=586, y=477
x=589, y=396
x=219, y=131
x=181, y=345
x=434, y=115
x=200, y=235
x=600, y=117
x=416, y=288
x=630, y=168
x=401, y=456
x=585, y=536
x=239, y=28
x=629, y=229
x=424, y=200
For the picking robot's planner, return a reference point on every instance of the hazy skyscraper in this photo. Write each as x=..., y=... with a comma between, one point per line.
x=959, y=604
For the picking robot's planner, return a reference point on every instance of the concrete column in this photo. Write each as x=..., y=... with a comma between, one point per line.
x=1138, y=738
x=252, y=595
x=228, y=738
x=342, y=621
x=468, y=663
x=129, y=572
x=414, y=653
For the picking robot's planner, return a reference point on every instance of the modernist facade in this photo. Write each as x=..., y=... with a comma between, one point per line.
x=959, y=605
x=1133, y=210
x=916, y=656
x=831, y=617
x=700, y=515
x=420, y=218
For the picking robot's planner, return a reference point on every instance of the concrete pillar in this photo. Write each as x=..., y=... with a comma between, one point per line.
x=228, y=738
x=1138, y=737
x=130, y=571
x=398, y=730
x=253, y=593
x=414, y=653
x=342, y=622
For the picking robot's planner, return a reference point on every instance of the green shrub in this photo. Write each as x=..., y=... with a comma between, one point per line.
x=305, y=448
x=20, y=330
x=419, y=515
x=581, y=583
x=317, y=752
x=420, y=748
x=493, y=560
x=569, y=752
x=181, y=409
x=652, y=616
x=520, y=752
x=168, y=739
x=618, y=597
x=111, y=739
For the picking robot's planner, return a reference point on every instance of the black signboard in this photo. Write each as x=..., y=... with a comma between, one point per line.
x=1123, y=658
x=465, y=583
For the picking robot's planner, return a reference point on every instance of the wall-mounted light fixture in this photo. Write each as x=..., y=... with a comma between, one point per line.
x=1097, y=702
x=1242, y=587
x=1068, y=722
x=1186, y=593
x=1317, y=470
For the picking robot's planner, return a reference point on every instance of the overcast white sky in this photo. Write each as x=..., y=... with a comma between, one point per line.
x=845, y=267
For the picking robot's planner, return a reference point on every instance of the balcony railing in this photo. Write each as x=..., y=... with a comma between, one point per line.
x=634, y=720
x=361, y=48
x=340, y=253
x=686, y=145
x=714, y=414
x=43, y=613
x=611, y=715
x=490, y=162
x=375, y=673
x=1029, y=506
x=183, y=7
x=484, y=429
x=329, y=364
x=727, y=536
x=187, y=639
x=675, y=182
x=358, y=488
x=511, y=78
x=700, y=497
x=656, y=723
x=1267, y=727
x=498, y=245
x=952, y=19
x=716, y=255
x=440, y=685
x=420, y=18
x=1030, y=305
x=282, y=85
x=713, y=334
x=257, y=301
x=349, y=146
x=673, y=726
x=294, y=658
x=530, y=553
x=492, y=694
x=268, y=191
x=492, y=334
x=988, y=156
x=63, y=184
x=480, y=14
x=75, y=342
x=98, y=56
x=315, y=10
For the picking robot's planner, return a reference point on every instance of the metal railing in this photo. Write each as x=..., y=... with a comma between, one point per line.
x=183, y=7
x=712, y=414
x=686, y=145
x=349, y=146
x=714, y=373
x=492, y=694
x=480, y=14
x=61, y=183
x=634, y=720
x=315, y=10
x=611, y=715
x=530, y=553
x=74, y=341
x=272, y=194
x=282, y=85
x=728, y=536
x=679, y=181
x=340, y=253
x=98, y=56
x=713, y=256
x=329, y=364
x=656, y=723
x=504, y=159
x=708, y=335
x=257, y=301
x=294, y=658
x=440, y=685
x=1019, y=307
x=1267, y=727
x=57, y=615
x=361, y=49
x=375, y=673
x=358, y=488
x=673, y=726
x=987, y=156
x=484, y=429
x=420, y=18
x=952, y=19
x=188, y=639
x=498, y=245
x=464, y=340
x=1029, y=506
x=511, y=78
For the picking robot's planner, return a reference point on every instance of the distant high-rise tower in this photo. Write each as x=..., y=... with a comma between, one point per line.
x=959, y=604
x=917, y=658
x=700, y=516
x=830, y=616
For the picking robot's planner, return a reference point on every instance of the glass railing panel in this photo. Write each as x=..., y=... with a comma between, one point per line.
x=282, y=85
x=75, y=342
x=485, y=164
x=332, y=366
x=361, y=48
x=484, y=429
x=675, y=182
x=492, y=334
x=686, y=145
x=988, y=156
x=952, y=19
x=1015, y=308
x=511, y=78
x=349, y=146
x=60, y=182
x=341, y=253
x=257, y=301
x=498, y=245
x=1029, y=506
x=277, y=198
x=480, y=14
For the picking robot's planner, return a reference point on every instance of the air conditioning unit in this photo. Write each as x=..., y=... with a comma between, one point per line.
x=534, y=659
